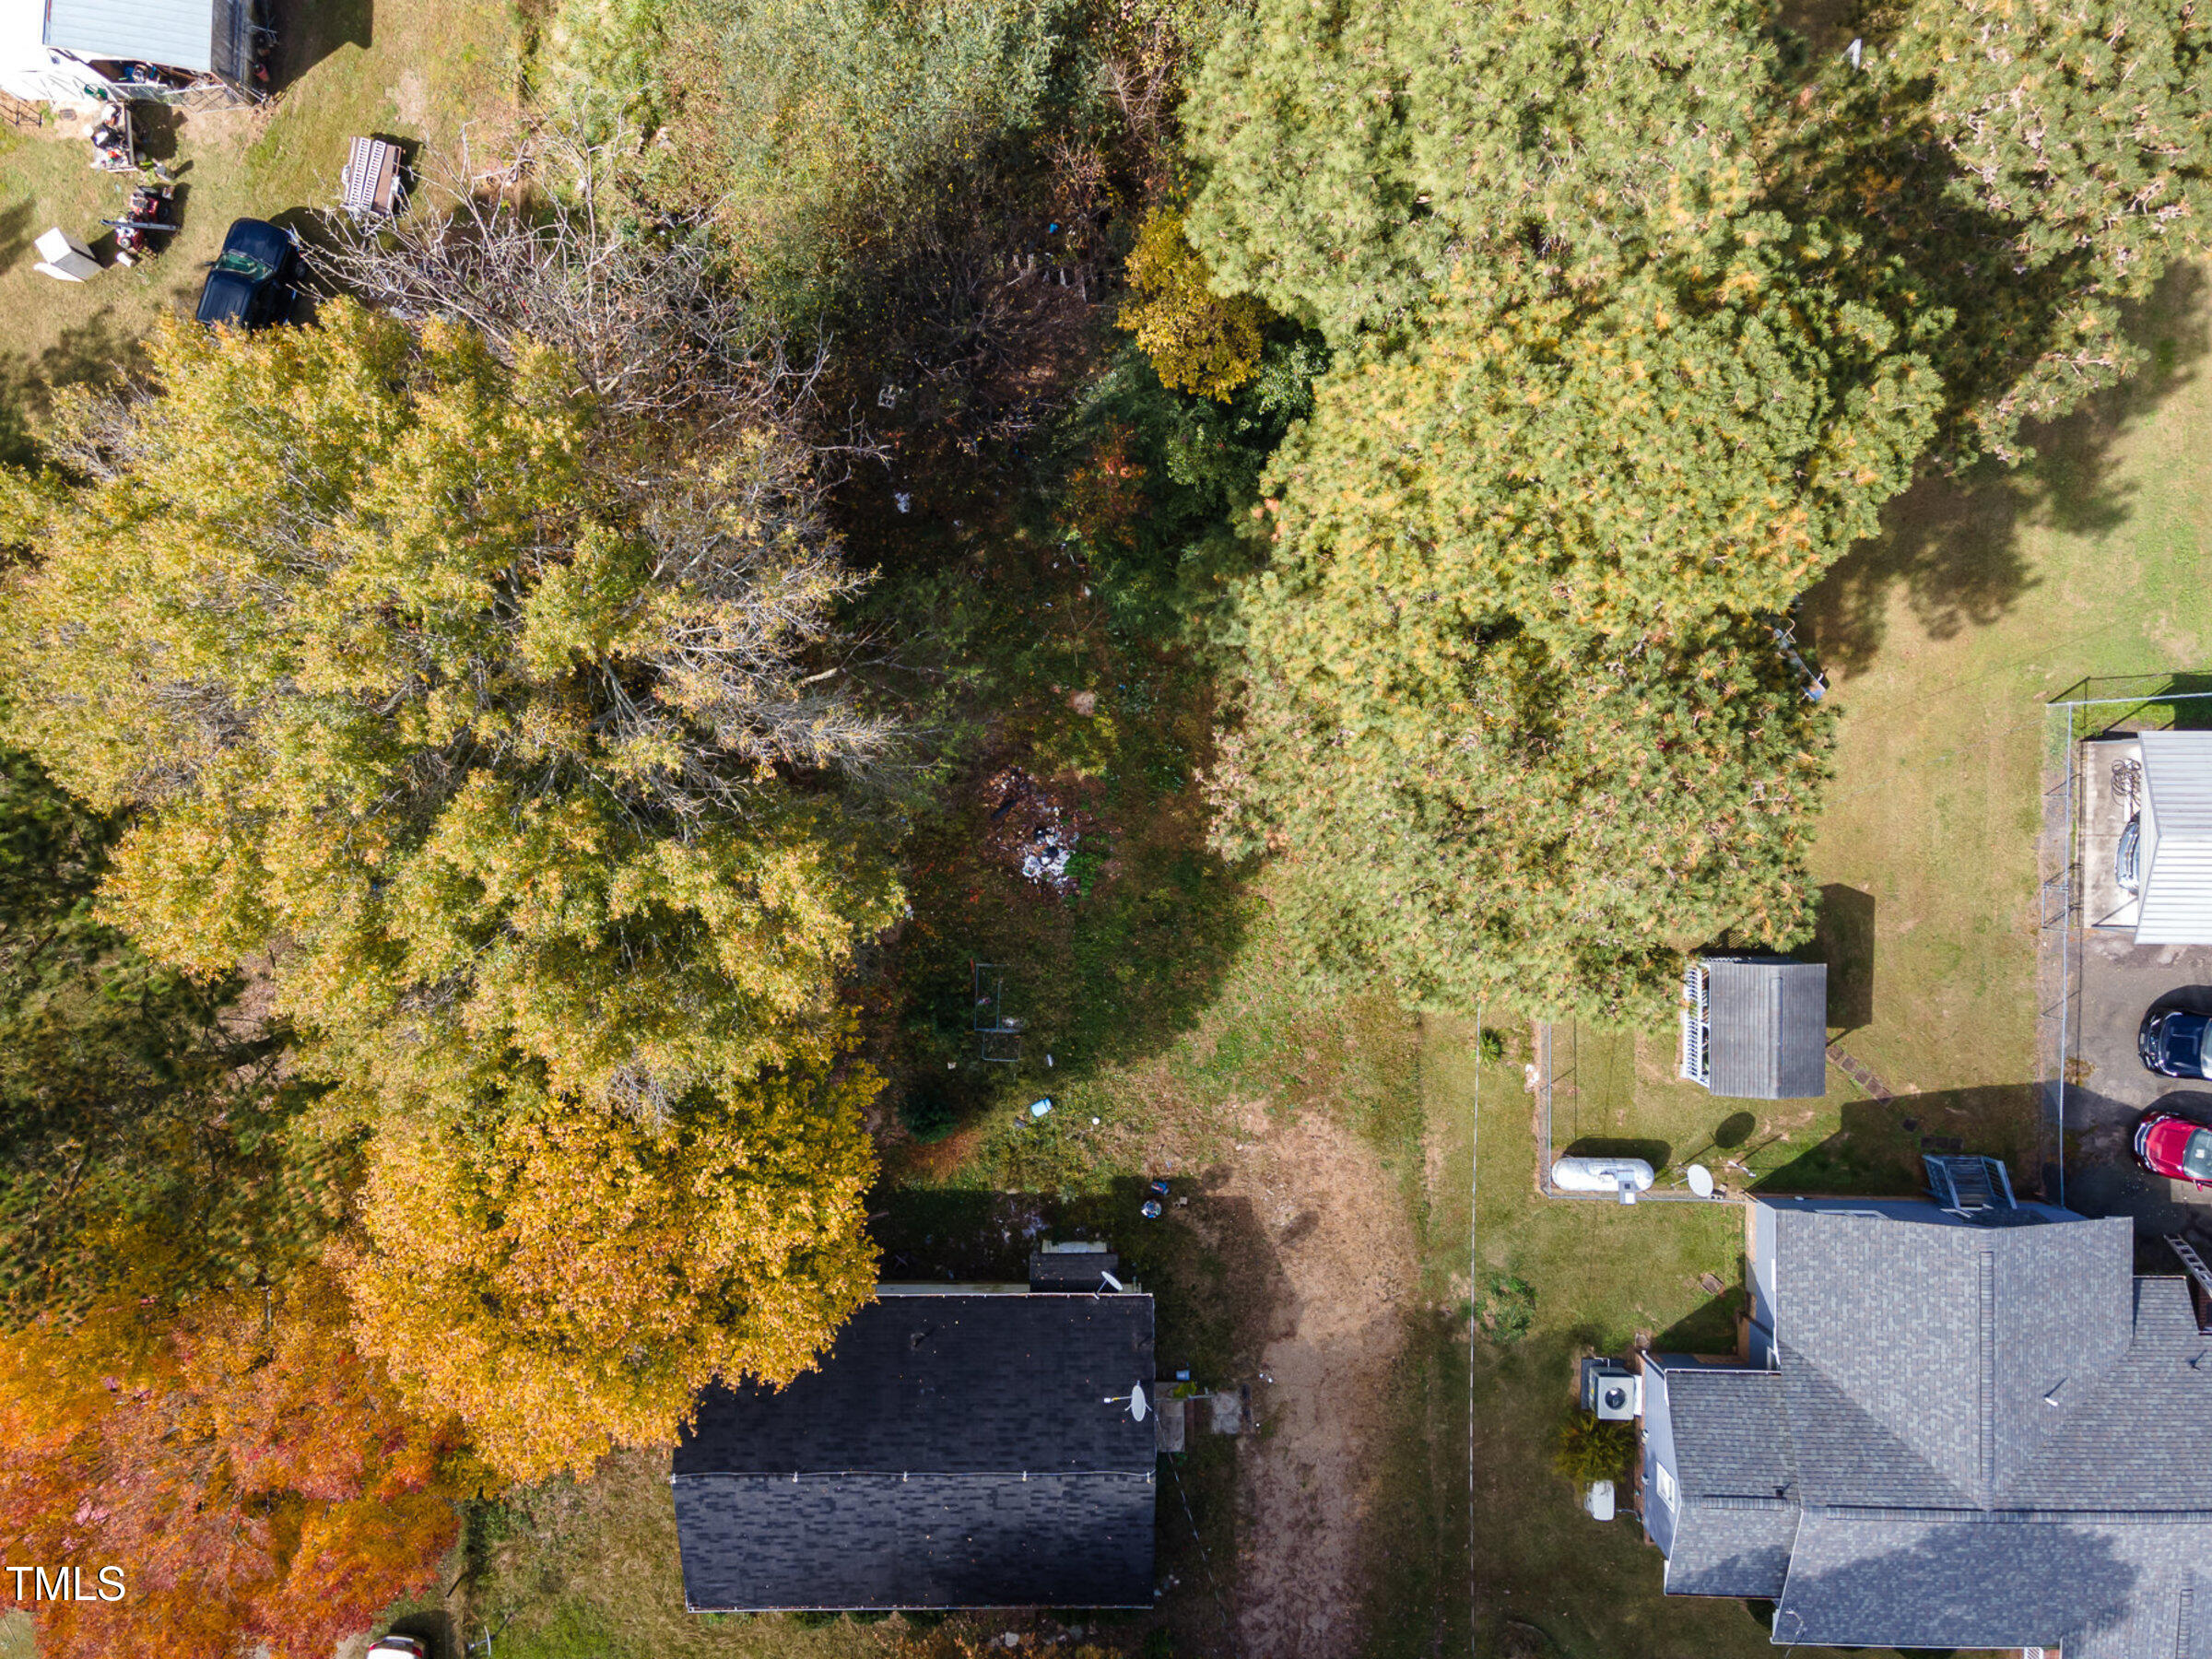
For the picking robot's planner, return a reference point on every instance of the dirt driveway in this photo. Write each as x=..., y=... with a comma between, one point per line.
x=2108, y=1087
x=1306, y=1476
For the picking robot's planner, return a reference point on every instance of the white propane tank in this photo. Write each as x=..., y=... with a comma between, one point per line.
x=1626, y=1176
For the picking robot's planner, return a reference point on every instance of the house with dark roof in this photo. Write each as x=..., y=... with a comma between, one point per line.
x=958, y=1446
x=1972, y=1426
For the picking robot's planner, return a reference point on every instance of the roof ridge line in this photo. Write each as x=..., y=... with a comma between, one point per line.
x=2106, y=1517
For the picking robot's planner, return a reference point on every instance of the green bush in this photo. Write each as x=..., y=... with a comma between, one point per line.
x=1508, y=1308
x=928, y=1112
x=1493, y=1044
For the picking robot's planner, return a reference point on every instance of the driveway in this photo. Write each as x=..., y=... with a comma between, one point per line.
x=2108, y=1087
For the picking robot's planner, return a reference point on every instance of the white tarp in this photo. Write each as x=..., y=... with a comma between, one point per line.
x=31, y=69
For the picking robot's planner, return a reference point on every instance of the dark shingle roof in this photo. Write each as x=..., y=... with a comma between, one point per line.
x=1769, y=1020
x=1997, y=1436
x=949, y=1450
x=753, y=1541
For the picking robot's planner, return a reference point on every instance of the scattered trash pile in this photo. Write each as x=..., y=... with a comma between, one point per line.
x=1029, y=830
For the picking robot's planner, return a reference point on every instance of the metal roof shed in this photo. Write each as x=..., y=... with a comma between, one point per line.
x=2176, y=854
x=1755, y=1028
x=204, y=37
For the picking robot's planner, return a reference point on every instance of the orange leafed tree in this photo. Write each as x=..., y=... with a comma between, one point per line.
x=254, y=1477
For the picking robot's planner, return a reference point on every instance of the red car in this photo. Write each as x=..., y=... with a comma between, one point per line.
x=2166, y=1145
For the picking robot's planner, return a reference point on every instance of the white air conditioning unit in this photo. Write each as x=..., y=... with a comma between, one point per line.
x=1611, y=1392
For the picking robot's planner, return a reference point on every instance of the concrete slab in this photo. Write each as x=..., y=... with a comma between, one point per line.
x=2111, y=791
x=1174, y=1417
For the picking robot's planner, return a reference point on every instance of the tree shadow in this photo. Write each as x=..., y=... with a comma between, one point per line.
x=1952, y=543
x=15, y=235
x=1734, y=1130
x=1875, y=1152
x=92, y=353
x=1843, y=938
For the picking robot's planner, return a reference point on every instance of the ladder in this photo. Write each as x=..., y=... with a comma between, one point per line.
x=1969, y=1185
x=2192, y=1261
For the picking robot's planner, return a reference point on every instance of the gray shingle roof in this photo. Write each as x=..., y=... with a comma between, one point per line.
x=949, y=1450
x=1917, y=1357
x=1768, y=1018
x=1998, y=1436
x=1738, y=1509
x=2100, y=1589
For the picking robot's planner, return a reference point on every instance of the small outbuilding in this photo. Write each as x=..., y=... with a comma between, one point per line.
x=958, y=1446
x=81, y=51
x=2174, y=848
x=1755, y=1028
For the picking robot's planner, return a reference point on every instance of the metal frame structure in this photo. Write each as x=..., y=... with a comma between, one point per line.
x=997, y=1033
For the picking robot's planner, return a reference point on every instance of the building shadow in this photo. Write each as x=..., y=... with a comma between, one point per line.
x=1952, y=544
x=309, y=31
x=1843, y=938
x=1656, y=1153
x=1875, y=1151
x=1710, y=1329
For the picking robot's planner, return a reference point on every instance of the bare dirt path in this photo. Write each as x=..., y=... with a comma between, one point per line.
x=1346, y=1255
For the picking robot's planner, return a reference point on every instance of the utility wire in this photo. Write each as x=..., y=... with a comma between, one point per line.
x=1227, y=1629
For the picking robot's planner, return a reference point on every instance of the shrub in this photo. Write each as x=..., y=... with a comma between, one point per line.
x=1590, y=1450
x=1197, y=341
x=927, y=1112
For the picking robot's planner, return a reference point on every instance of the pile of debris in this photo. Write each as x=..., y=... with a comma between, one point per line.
x=1029, y=830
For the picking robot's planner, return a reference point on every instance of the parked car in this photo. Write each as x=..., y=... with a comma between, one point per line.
x=2127, y=857
x=2172, y=1043
x=250, y=285
x=393, y=1647
x=2175, y=1147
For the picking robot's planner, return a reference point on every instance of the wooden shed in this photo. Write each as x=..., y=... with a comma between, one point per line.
x=1755, y=1028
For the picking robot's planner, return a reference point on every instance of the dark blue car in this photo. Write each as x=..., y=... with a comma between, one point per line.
x=250, y=285
x=2172, y=1043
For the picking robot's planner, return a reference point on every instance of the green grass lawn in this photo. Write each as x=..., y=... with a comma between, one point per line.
x=1545, y=1580
x=1616, y=1092
x=1942, y=638
x=408, y=69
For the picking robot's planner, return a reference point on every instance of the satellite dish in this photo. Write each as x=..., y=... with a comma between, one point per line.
x=1136, y=1401
x=1701, y=1180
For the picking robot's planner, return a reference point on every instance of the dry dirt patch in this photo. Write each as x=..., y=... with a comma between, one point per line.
x=1344, y=1251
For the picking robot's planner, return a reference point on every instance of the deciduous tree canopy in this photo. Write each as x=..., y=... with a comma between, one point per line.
x=504, y=737
x=254, y=1477
x=585, y=1273
x=500, y=736
x=1639, y=326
